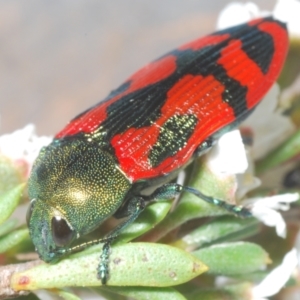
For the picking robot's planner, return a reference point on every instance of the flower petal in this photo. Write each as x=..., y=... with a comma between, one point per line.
x=236, y=13
x=23, y=145
x=277, y=278
x=288, y=11
x=228, y=156
x=264, y=210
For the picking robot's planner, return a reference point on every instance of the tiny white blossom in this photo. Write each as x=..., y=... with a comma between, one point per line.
x=264, y=209
x=23, y=145
x=247, y=181
x=228, y=156
x=288, y=11
x=277, y=278
x=236, y=13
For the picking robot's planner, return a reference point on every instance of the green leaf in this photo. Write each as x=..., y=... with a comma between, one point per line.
x=67, y=295
x=147, y=293
x=107, y=294
x=152, y=215
x=141, y=264
x=10, y=175
x=286, y=151
x=12, y=239
x=229, y=292
x=9, y=201
x=222, y=229
x=233, y=258
x=7, y=226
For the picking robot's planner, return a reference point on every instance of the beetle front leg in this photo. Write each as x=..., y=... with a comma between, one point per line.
x=133, y=208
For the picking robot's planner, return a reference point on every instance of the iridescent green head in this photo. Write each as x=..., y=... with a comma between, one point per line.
x=74, y=187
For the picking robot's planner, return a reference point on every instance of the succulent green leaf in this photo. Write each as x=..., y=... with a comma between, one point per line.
x=9, y=201
x=136, y=264
x=12, y=239
x=152, y=215
x=286, y=151
x=10, y=175
x=8, y=226
x=225, y=228
x=148, y=293
x=229, y=292
x=67, y=295
x=233, y=258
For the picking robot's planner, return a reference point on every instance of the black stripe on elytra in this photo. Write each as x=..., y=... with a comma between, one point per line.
x=173, y=136
x=122, y=88
x=206, y=64
x=142, y=107
x=257, y=44
x=253, y=48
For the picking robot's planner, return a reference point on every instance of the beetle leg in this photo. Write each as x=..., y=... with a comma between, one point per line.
x=134, y=207
x=171, y=190
x=137, y=204
x=204, y=147
x=237, y=210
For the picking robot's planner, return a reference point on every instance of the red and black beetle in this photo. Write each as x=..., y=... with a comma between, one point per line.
x=144, y=132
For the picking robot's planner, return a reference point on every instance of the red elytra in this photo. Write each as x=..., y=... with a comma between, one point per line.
x=201, y=95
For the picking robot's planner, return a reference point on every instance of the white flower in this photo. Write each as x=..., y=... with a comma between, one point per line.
x=236, y=13
x=247, y=181
x=277, y=278
x=23, y=145
x=228, y=156
x=264, y=209
x=289, y=11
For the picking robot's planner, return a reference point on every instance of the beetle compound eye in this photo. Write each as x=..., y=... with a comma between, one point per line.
x=29, y=211
x=61, y=232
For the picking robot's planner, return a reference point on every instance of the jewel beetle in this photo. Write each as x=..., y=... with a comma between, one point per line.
x=140, y=136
